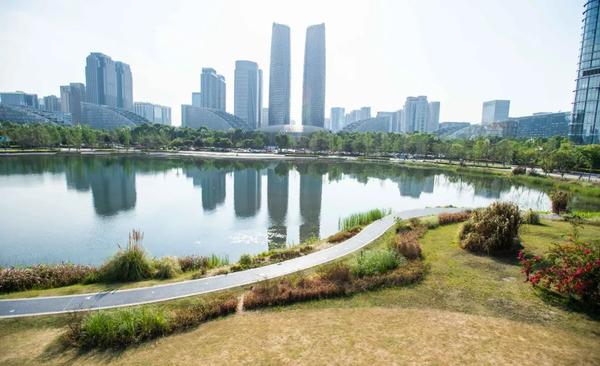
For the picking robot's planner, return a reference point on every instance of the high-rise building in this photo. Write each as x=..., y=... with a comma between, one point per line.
x=212, y=88
x=124, y=86
x=585, y=122
x=365, y=113
x=71, y=97
x=197, y=99
x=52, y=103
x=338, y=115
x=280, y=76
x=415, y=115
x=101, y=80
x=434, y=117
x=495, y=111
x=264, y=117
x=153, y=112
x=246, y=91
x=313, y=90
x=20, y=98
x=392, y=118
x=260, y=97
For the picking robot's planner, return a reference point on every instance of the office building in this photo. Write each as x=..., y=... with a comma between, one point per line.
x=365, y=113
x=101, y=80
x=392, y=117
x=434, y=117
x=26, y=114
x=108, y=118
x=495, y=111
x=415, y=115
x=537, y=125
x=212, y=88
x=264, y=117
x=313, y=88
x=280, y=76
x=124, y=86
x=260, y=98
x=338, y=115
x=71, y=97
x=246, y=90
x=197, y=99
x=585, y=123
x=20, y=98
x=52, y=103
x=154, y=113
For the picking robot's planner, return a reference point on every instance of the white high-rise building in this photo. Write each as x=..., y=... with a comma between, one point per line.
x=212, y=89
x=313, y=91
x=338, y=117
x=495, y=111
x=153, y=112
x=434, y=117
x=415, y=117
x=280, y=76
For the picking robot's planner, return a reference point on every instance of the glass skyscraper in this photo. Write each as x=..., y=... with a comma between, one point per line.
x=585, y=123
x=246, y=92
x=108, y=82
x=212, y=89
x=313, y=90
x=279, y=80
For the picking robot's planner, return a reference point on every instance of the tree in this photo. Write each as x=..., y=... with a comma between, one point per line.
x=283, y=141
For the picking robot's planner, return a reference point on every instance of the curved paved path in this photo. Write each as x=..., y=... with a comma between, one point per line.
x=102, y=300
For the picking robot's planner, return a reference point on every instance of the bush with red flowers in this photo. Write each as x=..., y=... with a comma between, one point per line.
x=571, y=270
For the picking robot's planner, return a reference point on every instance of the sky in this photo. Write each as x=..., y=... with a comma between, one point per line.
x=459, y=52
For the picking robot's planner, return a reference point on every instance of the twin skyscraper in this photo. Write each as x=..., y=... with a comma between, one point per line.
x=313, y=87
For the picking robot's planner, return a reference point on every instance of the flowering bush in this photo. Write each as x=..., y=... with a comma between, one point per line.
x=571, y=270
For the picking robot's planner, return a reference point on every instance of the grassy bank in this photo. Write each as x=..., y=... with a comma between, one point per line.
x=467, y=309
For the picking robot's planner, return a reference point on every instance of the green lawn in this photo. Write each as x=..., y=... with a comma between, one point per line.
x=469, y=309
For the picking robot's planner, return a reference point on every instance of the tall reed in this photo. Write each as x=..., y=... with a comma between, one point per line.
x=363, y=218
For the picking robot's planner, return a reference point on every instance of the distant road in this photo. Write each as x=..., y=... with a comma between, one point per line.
x=111, y=299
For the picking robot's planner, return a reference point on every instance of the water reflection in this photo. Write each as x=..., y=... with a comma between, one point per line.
x=303, y=200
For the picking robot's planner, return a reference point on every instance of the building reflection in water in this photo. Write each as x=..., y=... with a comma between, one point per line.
x=212, y=183
x=311, y=187
x=246, y=192
x=415, y=183
x=277, y=202
x=112, y=183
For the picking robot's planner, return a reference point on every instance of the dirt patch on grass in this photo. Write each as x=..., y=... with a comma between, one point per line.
x=345, y=336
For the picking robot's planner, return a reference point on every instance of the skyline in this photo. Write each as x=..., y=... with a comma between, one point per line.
x=366, y=45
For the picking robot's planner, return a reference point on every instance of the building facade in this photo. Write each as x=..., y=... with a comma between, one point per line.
x=313, y=88
x=52, y=103
x=212, y=88
x=338, y=117
x=108, y=117
x=212, y=119
x=246, y=93
x=415, y=115
x=71, y=97
x=280, y=76
x=197, y=99
x=434, y=117
x=124, y=86
x=101, y=80
x=495, y=111
x=20, y=98
x=154, y=113
x=585, y=124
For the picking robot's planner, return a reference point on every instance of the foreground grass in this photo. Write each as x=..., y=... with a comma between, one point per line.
x=468, y=309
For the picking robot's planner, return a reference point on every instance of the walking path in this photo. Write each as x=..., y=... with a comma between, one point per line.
x=111, y=299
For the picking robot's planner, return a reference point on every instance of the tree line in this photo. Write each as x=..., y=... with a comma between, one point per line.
x=551, y=154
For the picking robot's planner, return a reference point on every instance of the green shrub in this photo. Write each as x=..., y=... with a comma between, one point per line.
x=361, y=219
x=215, y=261
x=129, y=264
x=167, y=267
x=531, y=217
x=492, y=229
x=375, y=261
x=519, y=170
x=118, y=328
x=245, y=261
x=560, y=201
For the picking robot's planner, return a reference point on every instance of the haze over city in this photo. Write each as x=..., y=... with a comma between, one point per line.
x=378, y=52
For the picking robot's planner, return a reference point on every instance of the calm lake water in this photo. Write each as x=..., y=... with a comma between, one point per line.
x=79, y=209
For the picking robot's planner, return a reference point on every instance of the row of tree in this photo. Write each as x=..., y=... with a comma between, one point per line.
x=550, y=154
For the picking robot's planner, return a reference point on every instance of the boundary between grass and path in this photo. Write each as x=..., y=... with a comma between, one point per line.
x=12, y=308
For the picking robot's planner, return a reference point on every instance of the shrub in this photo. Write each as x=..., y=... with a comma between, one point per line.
x=279, y=255
x=491, y=230
x=43, y=276
x=375, y=261
x=337, y=273
x=531, y=217
x=193, y=263
x=560, y=200
x=451, y=218
x=215, y=261
x=118, y=328
x=245, y=261
x=406, y=244
x=361, y=219
x=129, y=264
x=199, y=313
x=571, y=270
x=343, y=235
x=519, y=170
x=167, y=267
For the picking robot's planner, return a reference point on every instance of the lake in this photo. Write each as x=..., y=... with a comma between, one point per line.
x=81, y=208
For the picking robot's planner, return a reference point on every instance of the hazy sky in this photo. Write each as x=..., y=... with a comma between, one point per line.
x=460, y=52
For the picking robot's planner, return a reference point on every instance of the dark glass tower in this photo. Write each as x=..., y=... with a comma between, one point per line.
x=279, y=80
x=313, y=88
x=585, y=124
